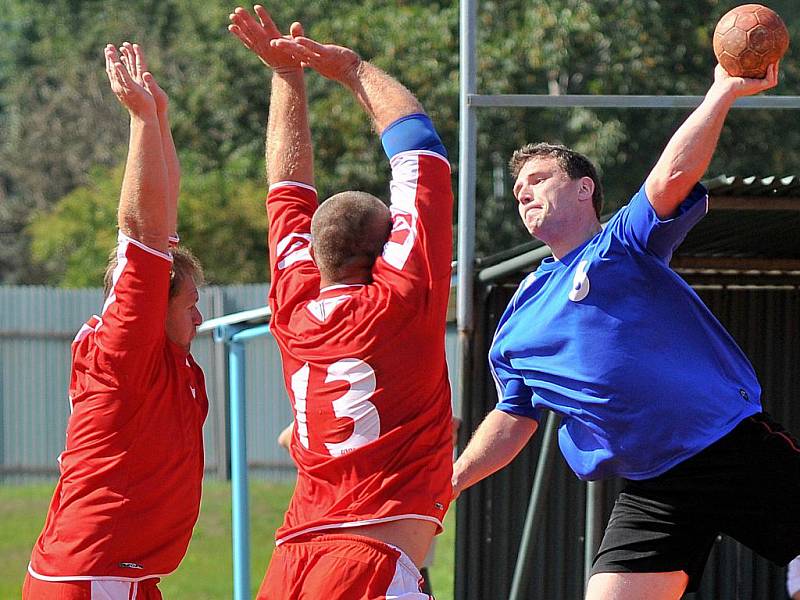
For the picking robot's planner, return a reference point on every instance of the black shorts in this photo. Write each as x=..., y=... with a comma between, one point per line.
x=746, y=486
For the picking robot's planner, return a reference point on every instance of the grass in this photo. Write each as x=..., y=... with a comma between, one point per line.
x=206, y=571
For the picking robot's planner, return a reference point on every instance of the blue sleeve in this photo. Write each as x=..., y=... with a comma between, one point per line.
x=514, y=397
x=412, y=132
x=639, y=225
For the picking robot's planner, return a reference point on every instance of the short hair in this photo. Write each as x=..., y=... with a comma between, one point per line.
x=573, y=163
x=349, y=229
x=184, y=264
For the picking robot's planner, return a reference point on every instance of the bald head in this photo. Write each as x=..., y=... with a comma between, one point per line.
x=349, y=231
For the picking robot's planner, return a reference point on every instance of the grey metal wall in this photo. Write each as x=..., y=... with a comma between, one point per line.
x=37, y=325
x=764, y=320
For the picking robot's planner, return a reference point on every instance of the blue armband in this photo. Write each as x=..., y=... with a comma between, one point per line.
x=412, y=132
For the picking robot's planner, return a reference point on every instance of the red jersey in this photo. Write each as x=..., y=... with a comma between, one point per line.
x=129, y=491
x=365, y=364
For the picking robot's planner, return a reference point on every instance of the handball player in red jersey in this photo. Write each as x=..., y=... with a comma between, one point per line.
x=129, y=491
x=359, y=299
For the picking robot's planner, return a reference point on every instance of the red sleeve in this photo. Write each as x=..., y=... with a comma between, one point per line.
x=134, y=314
x=295, y=277
x=420, y=248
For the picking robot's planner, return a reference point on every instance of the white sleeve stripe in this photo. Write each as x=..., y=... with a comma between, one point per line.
x=404, y=188
x=292, y=249
x=292, y=184
x=122, y=238
x=298, y=239
x=414, y=153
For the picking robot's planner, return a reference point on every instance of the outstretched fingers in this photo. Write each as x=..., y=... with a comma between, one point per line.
x=246, y=28
x=110, y=55
x=298, y=50
x=139, y=60
x=122, y=83
x=129, y=61
x=128, y=81
x=239, y=33
x=258, y=35
x=309, y=44
x=155, y=90
x=117, y=73
x=266, y=21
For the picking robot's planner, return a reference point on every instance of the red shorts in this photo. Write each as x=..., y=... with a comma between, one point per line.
x=340, y=567
x=105, y=589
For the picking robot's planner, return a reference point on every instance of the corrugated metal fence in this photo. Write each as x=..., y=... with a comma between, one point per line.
x=37, y=325
x=765, y=321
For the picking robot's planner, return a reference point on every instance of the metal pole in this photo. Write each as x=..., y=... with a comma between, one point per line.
x=220, y=389
x=241, y=532
x=621, y=101
x=594, y=526
x=522, y=570
x=466, y=192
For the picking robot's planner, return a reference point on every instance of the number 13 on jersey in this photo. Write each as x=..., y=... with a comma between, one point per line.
x=354, y=404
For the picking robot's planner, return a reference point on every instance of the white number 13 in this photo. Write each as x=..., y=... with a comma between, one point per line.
x=354, y=404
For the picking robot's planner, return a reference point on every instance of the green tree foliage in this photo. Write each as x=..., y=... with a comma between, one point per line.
x=653, y=47
x=221, y=214
x=218, y=103
x=60, y=122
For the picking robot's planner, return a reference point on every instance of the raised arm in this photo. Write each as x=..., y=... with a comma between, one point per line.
x=132, y=56
x=289, y=151
x=142, y=213
x=383, y=97
x=689, y=151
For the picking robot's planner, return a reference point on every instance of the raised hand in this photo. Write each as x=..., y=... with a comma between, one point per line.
x=257, y=35
x=743, y=86
x=132, y=57
x=132, y=94
x=331, y=61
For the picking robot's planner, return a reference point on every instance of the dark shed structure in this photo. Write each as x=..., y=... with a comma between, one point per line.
x=743, y=259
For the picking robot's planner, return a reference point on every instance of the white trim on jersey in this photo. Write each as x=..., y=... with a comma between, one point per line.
x=403, y=203
x=85, y=330
x=407, y=153
x=299, y=251
x=322, y=309
x=292, y=184
x=122, y=262
x=122, y=238
x=349, y=524
x=338, y=286
x=405, y=216
x=41, y=577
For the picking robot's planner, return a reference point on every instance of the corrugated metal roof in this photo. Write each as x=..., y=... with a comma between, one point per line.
x=749, y=218
x=770, y=186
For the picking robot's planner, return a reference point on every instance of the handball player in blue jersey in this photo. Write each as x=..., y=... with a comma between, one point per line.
x=649, y=385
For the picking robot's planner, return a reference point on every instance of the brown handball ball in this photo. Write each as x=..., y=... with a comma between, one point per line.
x=748, y=38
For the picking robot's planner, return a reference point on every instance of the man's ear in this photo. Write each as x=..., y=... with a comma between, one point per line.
x=586, y=189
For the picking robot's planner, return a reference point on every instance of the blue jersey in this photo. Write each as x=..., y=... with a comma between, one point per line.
x=617, y=343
